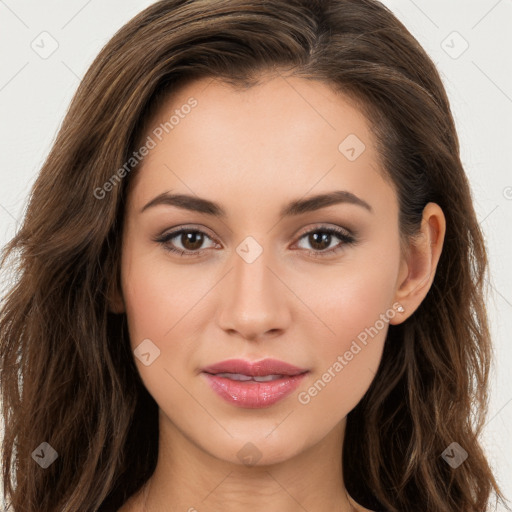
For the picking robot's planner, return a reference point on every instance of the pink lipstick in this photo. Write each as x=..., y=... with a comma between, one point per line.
x=253, y=385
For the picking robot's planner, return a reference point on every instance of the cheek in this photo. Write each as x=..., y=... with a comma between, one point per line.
x=356, y=309
x=348, y=301
x=159, y=303
x=163, y=304
x=158, y=299
x=360, y=302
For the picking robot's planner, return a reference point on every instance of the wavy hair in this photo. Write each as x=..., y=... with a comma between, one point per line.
x=67, y=372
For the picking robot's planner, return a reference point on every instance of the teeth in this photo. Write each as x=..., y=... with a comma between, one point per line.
x=234, y=376
x=267, y=378
x=239, y=376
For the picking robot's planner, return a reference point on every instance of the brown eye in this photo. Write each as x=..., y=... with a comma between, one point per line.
x=192, y=240
x=320, y=241
x=184, y=241
x=321, y=238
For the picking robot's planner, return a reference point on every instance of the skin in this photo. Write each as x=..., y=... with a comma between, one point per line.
x=252, y=152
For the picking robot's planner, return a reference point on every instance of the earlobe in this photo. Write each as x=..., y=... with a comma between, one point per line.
x=418, y=269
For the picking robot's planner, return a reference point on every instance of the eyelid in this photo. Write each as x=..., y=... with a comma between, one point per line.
x=171, y=233
x=186, y=227
x=324, y=226
x=346, y=237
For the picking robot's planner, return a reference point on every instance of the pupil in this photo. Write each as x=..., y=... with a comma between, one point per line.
x=192, y=240
x=324, y=238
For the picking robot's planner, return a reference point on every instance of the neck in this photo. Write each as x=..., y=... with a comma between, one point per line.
x=189, y=479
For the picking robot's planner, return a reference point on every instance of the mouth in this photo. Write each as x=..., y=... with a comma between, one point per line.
x=245, y=378
x=253, y=384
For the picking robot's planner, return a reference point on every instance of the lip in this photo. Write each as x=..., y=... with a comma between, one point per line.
x=251, y=394
x=254, y=369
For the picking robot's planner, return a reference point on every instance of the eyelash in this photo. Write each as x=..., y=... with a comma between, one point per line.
x=342, y=234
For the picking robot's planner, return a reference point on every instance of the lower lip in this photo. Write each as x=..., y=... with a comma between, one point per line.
x=251, y=394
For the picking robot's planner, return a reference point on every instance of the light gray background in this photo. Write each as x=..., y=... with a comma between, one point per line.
x=35, y=93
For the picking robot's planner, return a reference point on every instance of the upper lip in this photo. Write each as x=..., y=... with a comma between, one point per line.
x=254, y=368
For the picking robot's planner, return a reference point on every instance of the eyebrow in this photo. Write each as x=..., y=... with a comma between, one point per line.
x=296, y=207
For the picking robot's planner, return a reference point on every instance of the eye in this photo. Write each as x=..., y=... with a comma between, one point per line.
x=192, y=240
x=321, y=238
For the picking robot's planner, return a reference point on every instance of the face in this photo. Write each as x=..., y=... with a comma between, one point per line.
x=253, y=264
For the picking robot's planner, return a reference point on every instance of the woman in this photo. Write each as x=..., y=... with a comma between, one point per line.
x=250, y=276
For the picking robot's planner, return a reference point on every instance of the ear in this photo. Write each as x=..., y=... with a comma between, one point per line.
x=418, y=266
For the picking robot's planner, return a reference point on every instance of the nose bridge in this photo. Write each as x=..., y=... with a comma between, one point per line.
x=251, y=268
x=253, y=283
x=254, y=301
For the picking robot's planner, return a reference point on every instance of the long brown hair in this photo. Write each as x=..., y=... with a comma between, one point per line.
x=67, y=372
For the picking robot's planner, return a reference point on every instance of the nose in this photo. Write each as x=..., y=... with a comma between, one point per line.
x=254, y=299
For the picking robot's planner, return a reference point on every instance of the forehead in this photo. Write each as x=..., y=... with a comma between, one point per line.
x=282, y=137
x=283, y=112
